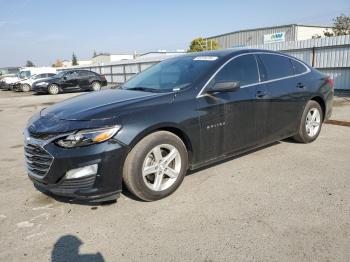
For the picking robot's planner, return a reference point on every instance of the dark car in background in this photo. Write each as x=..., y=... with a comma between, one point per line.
x=182, y=113
x=70, y=80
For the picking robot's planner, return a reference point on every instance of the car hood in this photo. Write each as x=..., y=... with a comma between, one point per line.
x=97, y=109
x=10, y=79
x=100, y=105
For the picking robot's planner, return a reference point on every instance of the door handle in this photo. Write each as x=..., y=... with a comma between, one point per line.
x=260, y=94
x=300, y=85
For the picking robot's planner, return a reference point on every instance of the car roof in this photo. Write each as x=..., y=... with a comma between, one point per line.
x=227, y=53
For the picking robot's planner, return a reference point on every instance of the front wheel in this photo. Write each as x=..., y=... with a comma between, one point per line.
x=25, y=88
x=53, y=89
x=310, y=123
x=156, y=166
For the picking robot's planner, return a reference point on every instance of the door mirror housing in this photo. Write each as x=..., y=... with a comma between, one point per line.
x=224, y=87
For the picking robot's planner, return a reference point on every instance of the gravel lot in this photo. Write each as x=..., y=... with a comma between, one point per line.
x=285, y=202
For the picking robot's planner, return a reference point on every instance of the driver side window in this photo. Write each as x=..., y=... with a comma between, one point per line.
x=242, y=69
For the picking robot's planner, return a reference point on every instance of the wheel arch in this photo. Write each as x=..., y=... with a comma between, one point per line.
x=322, y=103
x=172, y=128
x=96, y=80
x=54, y=83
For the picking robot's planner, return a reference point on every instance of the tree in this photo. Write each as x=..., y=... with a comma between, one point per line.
x=95, y=54
x=341, y=26
x=29, y=64
x=58, y=63
x=201, y=44
x=74, y=60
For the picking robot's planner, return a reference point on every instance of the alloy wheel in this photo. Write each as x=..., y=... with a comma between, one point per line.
x=53, y=89
x=161, y=167
x=313, y=122
x=96, y=86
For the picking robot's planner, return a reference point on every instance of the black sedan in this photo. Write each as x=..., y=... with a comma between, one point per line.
x=70, y=80
x=183, y=113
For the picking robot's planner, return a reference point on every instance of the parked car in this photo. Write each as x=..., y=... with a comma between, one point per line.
x=24, y=73
x=8, y=71
x=183, y=113
x=25, y=85
x=7, y=81
x=70, y=80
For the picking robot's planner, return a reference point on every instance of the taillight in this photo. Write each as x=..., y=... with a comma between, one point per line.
x=103, y=77
x=330, y=82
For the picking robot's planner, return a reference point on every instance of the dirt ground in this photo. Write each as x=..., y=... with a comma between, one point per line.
x=285, y=202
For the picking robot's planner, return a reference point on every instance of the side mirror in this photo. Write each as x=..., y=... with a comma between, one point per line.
x=64, y=78
x=224, y=87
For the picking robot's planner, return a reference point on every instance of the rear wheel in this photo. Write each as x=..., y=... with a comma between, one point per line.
x=25, y=88
x=96, y=86
x=310, y=123
x=156, y=166
x=53, y=89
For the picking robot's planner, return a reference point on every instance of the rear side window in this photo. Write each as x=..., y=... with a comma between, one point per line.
x=243, y=69
x=276, y=66
x=298, y=67
x=41, y=76
x=86, y=73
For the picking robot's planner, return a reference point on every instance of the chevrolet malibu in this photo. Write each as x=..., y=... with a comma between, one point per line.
x=183, y=113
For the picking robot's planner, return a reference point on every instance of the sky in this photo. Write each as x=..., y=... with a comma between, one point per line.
x=43, y=31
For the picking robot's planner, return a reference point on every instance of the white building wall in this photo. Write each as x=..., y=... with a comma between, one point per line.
x=307, y=32
x=103, y=59
x=84, y=62
x=114, y=58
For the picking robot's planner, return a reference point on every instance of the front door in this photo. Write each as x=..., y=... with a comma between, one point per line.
x=70, y=81
x=229, y=119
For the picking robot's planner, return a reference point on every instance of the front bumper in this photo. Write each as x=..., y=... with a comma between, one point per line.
x=39, y=88
x=5, y=86
x=16, y=87
x=48, y=163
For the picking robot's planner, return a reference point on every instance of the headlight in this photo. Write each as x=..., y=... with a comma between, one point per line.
x=42, y=84
x=88, y=137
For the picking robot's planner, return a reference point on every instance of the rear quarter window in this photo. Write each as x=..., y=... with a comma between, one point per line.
x=298, y=67
x=275, y=66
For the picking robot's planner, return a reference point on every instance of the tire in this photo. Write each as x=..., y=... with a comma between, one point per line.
x=53, y=89
x=310, y=123
x=25, y=88
x=146, y=168
x=96, y=86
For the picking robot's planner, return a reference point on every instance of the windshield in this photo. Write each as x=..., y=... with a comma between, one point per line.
x=24, y=74
x=170, y=74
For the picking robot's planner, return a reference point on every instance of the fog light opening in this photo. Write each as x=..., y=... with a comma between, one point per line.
x=82, y=172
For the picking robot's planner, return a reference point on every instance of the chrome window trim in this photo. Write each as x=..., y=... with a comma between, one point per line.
x=308, y=70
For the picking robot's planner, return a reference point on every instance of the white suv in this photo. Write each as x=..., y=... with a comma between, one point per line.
x=25, y=85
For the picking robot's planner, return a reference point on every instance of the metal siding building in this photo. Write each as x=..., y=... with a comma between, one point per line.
x=256, y=36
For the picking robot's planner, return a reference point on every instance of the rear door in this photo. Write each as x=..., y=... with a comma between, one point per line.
x=83, y=79
x=286, y=94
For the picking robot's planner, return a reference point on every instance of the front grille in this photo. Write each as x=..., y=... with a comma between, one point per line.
x=41, y=136
x=38, y=160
